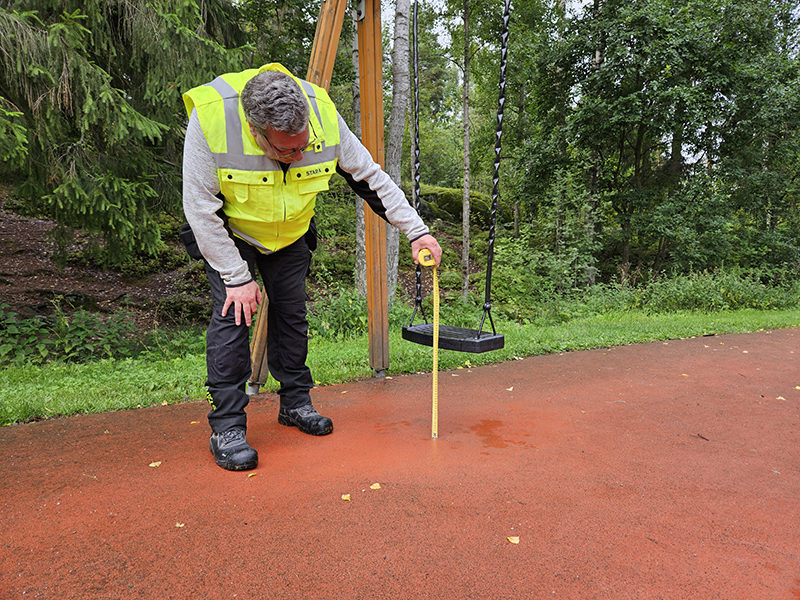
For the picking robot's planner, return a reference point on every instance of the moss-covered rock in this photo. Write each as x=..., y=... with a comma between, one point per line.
x=446, y=204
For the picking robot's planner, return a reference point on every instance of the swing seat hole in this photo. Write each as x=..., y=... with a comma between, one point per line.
x=460, y=339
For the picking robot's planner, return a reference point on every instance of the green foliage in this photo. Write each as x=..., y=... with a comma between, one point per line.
x=335, y=210
x=42, y=391
x=92, y=105
x=165, y=344
x=715, y=291
x=80, y=337
x=185, y=308
x=13, y=137
x=441, y=154
x=680, y=122
x=341, y=316
x=283, y=31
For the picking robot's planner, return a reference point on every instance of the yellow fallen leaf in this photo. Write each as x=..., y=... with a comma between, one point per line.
x=164, y=403
x=744, y=352
x=179, y=525
x=194, y=423
x=387, y=377
x=514, y=539
x=797, y=387
x=344, y=392
x=684, y=375
x=511, y=389
x=155, y=464
x=346, y=497
x=375, y=486
x=780, y=398
x=249, y=475
x=459, y=367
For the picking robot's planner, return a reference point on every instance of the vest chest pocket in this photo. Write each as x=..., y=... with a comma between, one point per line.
x=307, y=189
x=250, y=195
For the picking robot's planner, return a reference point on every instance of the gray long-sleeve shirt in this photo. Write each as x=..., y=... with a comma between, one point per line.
x=201, y=186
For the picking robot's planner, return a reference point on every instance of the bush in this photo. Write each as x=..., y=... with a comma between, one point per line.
x=78, y=337
x=340, y=315
x=710, y=291
x=172, y=343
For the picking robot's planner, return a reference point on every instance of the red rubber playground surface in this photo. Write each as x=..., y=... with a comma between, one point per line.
x=663, y=470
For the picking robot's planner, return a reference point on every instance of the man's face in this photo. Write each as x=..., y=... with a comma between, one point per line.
x=281, y=146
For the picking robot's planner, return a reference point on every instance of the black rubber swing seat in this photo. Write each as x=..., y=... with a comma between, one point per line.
x=460, y=339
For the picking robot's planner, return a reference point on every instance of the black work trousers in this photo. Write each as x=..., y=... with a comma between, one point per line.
x=228, y=345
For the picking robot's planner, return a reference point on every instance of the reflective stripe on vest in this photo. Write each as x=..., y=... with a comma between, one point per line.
x=235, y=158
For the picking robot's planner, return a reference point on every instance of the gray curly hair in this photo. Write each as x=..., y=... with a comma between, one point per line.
x=273, y=99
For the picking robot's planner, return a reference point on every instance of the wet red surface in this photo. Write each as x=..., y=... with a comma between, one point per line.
x=664, y=470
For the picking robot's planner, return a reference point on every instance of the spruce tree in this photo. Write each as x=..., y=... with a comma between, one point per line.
x=91, y=116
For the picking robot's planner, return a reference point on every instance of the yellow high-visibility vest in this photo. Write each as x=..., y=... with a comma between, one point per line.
x=265, y=207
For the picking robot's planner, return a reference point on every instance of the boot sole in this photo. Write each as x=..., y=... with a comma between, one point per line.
x=237, y=467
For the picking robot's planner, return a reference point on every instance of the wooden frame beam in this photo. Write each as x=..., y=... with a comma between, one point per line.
x=370, y=67
x=326, y=41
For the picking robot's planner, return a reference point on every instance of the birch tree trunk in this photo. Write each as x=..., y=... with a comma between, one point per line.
x=397, y=124
x=593, y=203
x=361, y=238
x=465, y=201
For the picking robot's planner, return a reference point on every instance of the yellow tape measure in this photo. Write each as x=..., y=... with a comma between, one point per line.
x=426, y=259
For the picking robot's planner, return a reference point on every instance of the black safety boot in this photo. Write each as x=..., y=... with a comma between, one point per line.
x=306, y=419
x=231, y=450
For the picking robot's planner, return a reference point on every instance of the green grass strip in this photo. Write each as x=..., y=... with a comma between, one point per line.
x=31, y=392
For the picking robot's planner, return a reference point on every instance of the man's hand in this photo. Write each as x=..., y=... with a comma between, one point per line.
x=245, y=300
x=429, y=242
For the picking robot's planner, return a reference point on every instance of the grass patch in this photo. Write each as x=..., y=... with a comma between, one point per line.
x=29, y=392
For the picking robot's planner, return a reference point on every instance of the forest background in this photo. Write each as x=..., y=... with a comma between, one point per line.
x=650, y=164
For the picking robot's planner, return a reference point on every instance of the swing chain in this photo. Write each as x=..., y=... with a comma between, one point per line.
x=415, y=193
x=487, y=305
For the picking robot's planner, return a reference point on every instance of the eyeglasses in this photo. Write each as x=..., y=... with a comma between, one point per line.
x=312, y=141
